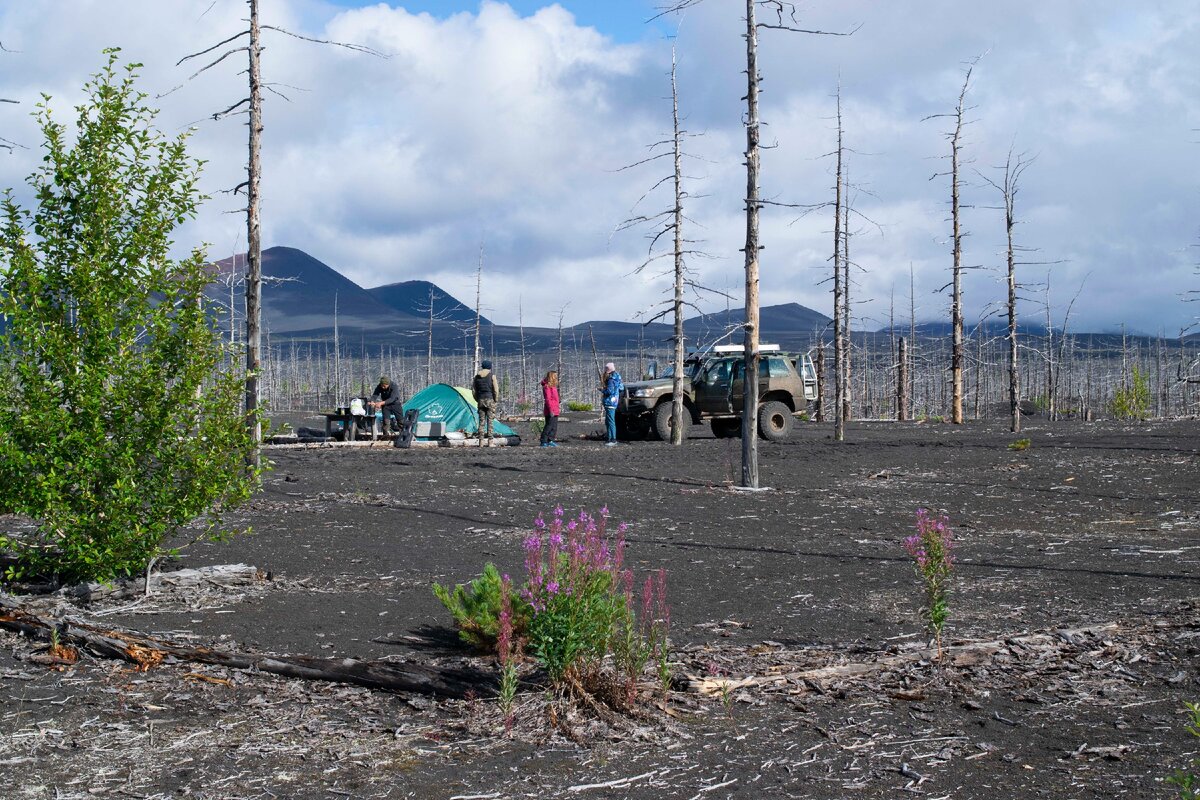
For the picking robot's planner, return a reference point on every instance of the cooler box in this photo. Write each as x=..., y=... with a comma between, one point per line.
x=429, y=430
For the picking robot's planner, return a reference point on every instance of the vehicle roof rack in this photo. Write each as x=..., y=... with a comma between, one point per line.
x=737, y=348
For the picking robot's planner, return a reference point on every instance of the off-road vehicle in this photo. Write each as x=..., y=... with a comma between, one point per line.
x=713, y=391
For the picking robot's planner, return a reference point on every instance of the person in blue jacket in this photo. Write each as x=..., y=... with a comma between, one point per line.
x=612, y=389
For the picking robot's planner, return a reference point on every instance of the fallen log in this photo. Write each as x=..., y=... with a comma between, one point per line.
x=224, y=576
x=967, y=654
x=147, y=652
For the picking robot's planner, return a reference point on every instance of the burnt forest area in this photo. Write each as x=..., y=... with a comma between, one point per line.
x=800, y=663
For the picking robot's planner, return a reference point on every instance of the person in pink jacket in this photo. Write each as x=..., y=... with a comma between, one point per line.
x=550, y=395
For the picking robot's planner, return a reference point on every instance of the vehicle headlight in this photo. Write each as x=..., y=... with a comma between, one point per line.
x=643, y=392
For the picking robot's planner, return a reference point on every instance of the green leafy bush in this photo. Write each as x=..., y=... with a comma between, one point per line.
x=477, y=608
x=1132, y=401
x=575, y=405
x=1186, y=780
x=117, y=425
x=1019, y=446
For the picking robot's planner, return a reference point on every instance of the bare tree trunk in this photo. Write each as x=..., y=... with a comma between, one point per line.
x=848, y=345
x=337, y=354
x=429, y=352
x=821, y=381
x=677, y=410
x=902, y=381
x=478, y=294
x=254, y=241
x=956, y=311
x=839, y=339
x=521, y=329
x=1049, y=355
x=750, y=378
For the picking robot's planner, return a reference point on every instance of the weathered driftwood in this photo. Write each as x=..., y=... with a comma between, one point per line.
x=147, y=652
x=968, y=654
x=224, y=576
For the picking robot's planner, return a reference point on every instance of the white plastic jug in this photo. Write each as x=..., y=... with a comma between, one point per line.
x=356, y=407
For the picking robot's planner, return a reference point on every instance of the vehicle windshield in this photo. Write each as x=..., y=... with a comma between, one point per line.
x=689, y=370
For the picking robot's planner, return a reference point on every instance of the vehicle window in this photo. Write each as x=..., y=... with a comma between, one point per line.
x=720, y=372
x=777, y=367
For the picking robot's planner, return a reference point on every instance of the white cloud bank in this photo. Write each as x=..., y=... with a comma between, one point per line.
x=488, y=127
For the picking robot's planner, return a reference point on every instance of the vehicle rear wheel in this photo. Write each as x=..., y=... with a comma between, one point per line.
x=662, y=421
x=774, y=421
x=726, y=428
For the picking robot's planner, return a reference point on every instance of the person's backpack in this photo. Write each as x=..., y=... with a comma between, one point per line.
x=483, y=387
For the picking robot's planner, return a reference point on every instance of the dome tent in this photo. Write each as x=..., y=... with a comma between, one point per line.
x=453, y=407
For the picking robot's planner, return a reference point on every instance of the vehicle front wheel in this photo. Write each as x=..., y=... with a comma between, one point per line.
x=632, y=428
x=726, y=428
x=662, y=421
x=774, y=421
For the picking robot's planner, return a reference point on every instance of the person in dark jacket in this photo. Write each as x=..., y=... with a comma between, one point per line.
x=487, y=396
x=386, y=397
x=551, y=410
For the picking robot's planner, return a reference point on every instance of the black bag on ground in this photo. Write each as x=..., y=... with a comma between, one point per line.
x=408, y=429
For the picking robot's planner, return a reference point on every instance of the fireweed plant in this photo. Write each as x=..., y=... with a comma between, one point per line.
x=932, y=551
x=582, y=603
x=577, y=613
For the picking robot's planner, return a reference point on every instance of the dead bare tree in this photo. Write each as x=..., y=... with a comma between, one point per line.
x=252, y=106
x=839, y=331
x=956, y=310
x=478, y=297
x=1008, y=187
x=671, y=222
x=785, y=20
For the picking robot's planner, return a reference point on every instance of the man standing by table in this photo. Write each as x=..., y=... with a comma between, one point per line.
x=386, y=397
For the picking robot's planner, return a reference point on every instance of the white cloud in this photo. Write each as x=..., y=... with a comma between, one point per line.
x=487, y=126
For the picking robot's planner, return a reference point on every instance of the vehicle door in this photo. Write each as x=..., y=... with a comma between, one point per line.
x=712, y=387
x=737, y=394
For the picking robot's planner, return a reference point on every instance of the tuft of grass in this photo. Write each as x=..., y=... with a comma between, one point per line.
x=575, y=405
x=1019, y=446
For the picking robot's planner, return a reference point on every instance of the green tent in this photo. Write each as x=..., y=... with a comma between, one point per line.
x=454, y=407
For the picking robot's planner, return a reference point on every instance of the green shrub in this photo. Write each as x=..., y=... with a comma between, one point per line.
x=117, y=425
x=1019, y=446
x=1187, y=780
x=538, y=425
x=575, y=405
x=476, y=608
x=1132, y=401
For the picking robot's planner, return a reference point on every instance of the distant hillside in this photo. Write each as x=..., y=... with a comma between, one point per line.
x=301, y=293
x=413, y=298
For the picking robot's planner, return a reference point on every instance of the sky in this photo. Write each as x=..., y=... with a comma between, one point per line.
x=510, y=127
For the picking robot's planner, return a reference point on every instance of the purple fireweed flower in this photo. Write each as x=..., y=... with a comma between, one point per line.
x=539, y=523
x=572, y=525
x=552, y=588
x=556, y=540
x=533, y=544
x=558, y=511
